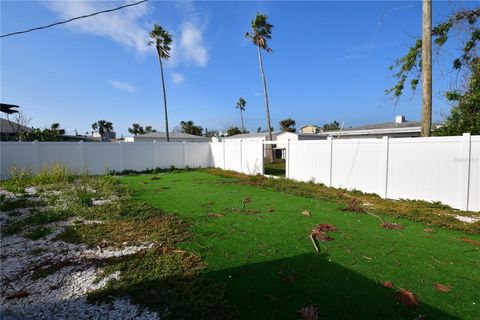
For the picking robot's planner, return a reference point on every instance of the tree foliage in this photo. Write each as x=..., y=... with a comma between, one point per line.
x=137, y=129
x=331, y=126
x=190, y=128
x=287, y=125
x=54, y=133
x=465, y=114
x=103, y=127
x=233, y=131
x=162, y=40
x=410, y=66
x=261, y=32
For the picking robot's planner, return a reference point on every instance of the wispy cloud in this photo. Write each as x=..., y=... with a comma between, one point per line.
x=121, y=26
x=177, y=77
x=189, y=46
x=127, y=27
x=258, y=94
x=122, y=86
x=192, y=46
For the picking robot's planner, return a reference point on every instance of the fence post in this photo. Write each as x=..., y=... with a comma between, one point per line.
x=241, y=156
x=386, y=144
x=36, y=157
x=155, y=154
x=185, y=160
x=122, y=156
x=287, y=164
x=465, y=159
x=83, y=157
x=330, y=164
x=223, y=144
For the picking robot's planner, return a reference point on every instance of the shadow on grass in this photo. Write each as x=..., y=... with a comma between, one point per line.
x=274, y=290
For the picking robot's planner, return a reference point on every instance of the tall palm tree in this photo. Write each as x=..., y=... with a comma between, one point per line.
x=241, y=103
x=261, y=32
x=162, y=40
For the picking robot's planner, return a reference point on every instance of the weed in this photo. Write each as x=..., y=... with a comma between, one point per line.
x=38, y=233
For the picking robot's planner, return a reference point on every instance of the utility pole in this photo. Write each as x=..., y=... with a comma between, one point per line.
x=427, y=68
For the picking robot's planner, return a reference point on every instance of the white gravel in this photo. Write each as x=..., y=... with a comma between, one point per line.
x=61, y=294
x=467, y=219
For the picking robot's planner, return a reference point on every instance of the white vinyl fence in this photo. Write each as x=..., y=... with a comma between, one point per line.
x=99, y=157
x=238, y=155
x=445, y=169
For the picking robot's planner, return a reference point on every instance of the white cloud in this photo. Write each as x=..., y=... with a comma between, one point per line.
x=122, y=86
x=121, y=26
x=128, y=27
x=191, y=45
x=177, y=77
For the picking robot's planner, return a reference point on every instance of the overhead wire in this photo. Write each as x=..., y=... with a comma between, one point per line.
x=72, y=19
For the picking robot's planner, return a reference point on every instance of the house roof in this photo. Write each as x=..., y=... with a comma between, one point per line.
x=172, y=135
x=6, y=126
x=251, y=135
x=309, y=125
x=306, y=134
x=378, y=128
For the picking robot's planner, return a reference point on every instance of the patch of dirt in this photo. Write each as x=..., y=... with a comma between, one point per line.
x=155, y=178
x=392, y=226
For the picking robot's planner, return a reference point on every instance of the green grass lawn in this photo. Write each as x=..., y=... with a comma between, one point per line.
x=275, y=169
x=255, y=241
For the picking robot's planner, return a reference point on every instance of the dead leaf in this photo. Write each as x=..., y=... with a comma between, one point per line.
x=252, y=211
x=247, y=200
x=441, y=287
x=18, y=295
x=309, y=313
x=271, y=210
x=474, y=242
x=406, y=298
x=388, y=284
x=428, y=230
x=320, y=232
x=208, y=204
x=216, y=214
x=155, y=178
x=387, y=225
x=306, y=213
x=354, y=206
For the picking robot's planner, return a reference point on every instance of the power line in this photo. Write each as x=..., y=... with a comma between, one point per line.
x=72, y=19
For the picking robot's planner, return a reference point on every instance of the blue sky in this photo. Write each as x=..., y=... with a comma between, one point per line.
x=329, y=62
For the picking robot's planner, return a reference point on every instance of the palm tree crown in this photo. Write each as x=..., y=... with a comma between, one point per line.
x=241, y=104
x=261, y=32
x=162, y=40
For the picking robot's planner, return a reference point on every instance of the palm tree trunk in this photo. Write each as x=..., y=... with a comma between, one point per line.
x=241, y=117
x=164, y=95
x=269, y=126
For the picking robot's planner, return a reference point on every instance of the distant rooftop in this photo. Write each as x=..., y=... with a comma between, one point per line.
x=175, y=135
x=251, y=135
